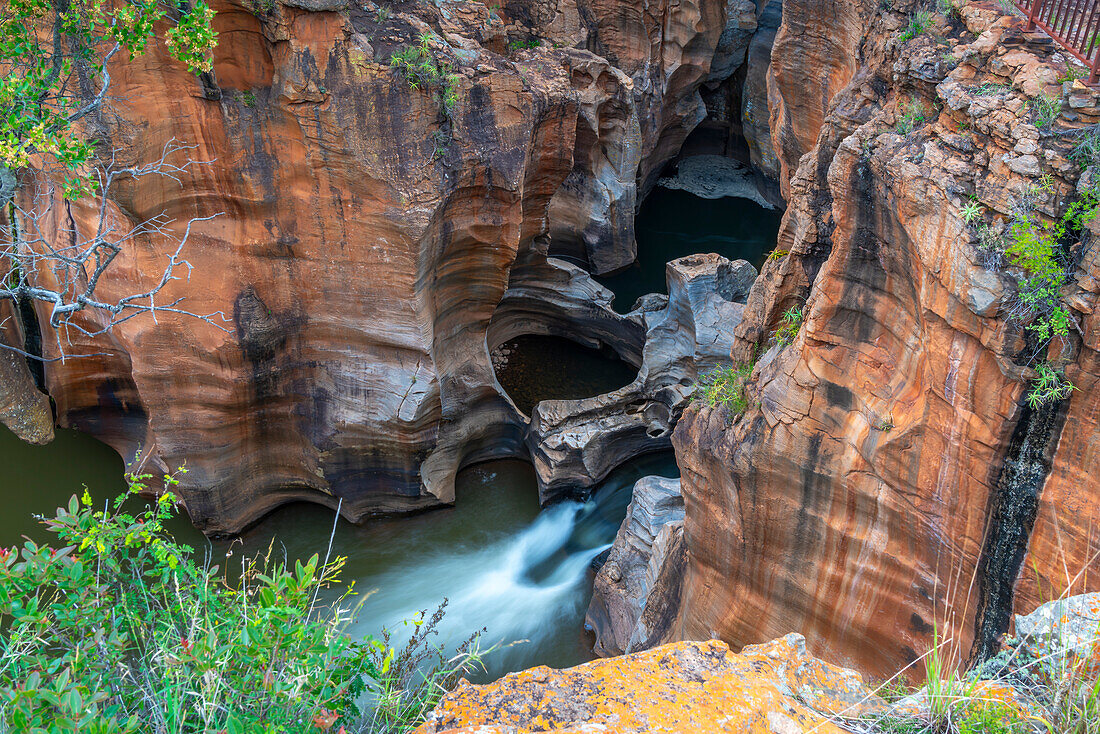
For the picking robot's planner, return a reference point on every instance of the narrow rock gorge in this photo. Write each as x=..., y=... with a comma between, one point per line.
x=888, y=477
x=370, y=247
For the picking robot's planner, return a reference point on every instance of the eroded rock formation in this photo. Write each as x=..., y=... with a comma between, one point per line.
x=636, y=592
x=576, y=443
x=888, y=477
x=366, y=235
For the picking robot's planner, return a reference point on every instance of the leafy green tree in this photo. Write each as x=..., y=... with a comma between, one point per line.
x=56, y=58
x=55, y=70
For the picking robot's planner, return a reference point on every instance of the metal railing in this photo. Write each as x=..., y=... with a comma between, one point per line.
x=1074, y=24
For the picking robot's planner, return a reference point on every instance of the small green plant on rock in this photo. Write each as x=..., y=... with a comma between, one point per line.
x=1049, y=386
x=790, y=323
x=948, y=8
x=912, y=115
x=1046, y=110
x=971, y=211
x=725, y=386
x=421, y=69
x=777, y=254
x=248, y=98
x=919, y=23
x=519, y=45
x=1086, y=151
x=1073, y=73
x=989, y=89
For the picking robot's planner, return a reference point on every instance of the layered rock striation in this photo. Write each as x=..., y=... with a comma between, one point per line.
x=366, y=233
x=888, y=477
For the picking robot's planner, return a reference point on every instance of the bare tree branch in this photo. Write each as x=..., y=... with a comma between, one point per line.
x=47, y=257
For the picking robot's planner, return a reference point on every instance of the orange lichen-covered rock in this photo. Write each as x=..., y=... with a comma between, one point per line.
x=775, y=688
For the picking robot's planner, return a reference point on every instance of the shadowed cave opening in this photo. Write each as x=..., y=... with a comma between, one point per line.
x=536, y=367
x=673, y=223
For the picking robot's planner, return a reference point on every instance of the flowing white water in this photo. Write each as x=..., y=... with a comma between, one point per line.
x=504, y=565
x=519, y=588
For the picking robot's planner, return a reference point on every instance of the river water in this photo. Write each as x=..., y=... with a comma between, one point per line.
x=522, y=574
x=673, y=223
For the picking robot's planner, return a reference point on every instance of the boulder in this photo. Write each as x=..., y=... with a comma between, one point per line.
x=636, y=592
x=681, y=688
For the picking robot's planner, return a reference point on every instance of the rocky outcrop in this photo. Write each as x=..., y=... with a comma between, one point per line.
x=575, y=443
x=23, y=408
x=366, y=236
x=776, y=688
x=1064, y=634
x=635, y=594
x=887, y=477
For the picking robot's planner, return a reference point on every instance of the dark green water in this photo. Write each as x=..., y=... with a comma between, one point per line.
x=673, y=223
x=533, y=368
x=521, y=573
x=38, y=479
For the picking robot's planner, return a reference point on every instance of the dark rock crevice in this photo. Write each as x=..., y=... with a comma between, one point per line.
x=1013, y=506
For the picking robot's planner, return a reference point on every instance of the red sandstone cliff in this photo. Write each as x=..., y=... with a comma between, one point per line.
x=883, y=478
x=365, y=237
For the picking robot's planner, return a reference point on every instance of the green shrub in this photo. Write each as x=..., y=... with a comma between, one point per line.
x=1037, y=248
x=422, y=70
x=919, y=23
x=725, y=386
x=1046, y=109
x=118, y=629
x=529, y=43
x=790, y=323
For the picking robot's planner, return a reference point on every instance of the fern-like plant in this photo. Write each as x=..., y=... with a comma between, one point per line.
x=790, y=323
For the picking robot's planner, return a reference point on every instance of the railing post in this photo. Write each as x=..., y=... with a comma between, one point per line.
x=1033, y=13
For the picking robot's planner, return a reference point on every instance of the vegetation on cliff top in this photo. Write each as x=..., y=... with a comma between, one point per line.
x=120, y=629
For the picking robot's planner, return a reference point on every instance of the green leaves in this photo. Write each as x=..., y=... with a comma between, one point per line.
x=46, y=47
x=790, y=323
x=119, y=630
x=725, y=386
x=1050, y=385
x=422, y=70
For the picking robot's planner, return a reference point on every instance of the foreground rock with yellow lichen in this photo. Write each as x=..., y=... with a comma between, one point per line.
x=774, y=688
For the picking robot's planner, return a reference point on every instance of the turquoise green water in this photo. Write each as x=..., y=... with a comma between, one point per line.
x=502, y=564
